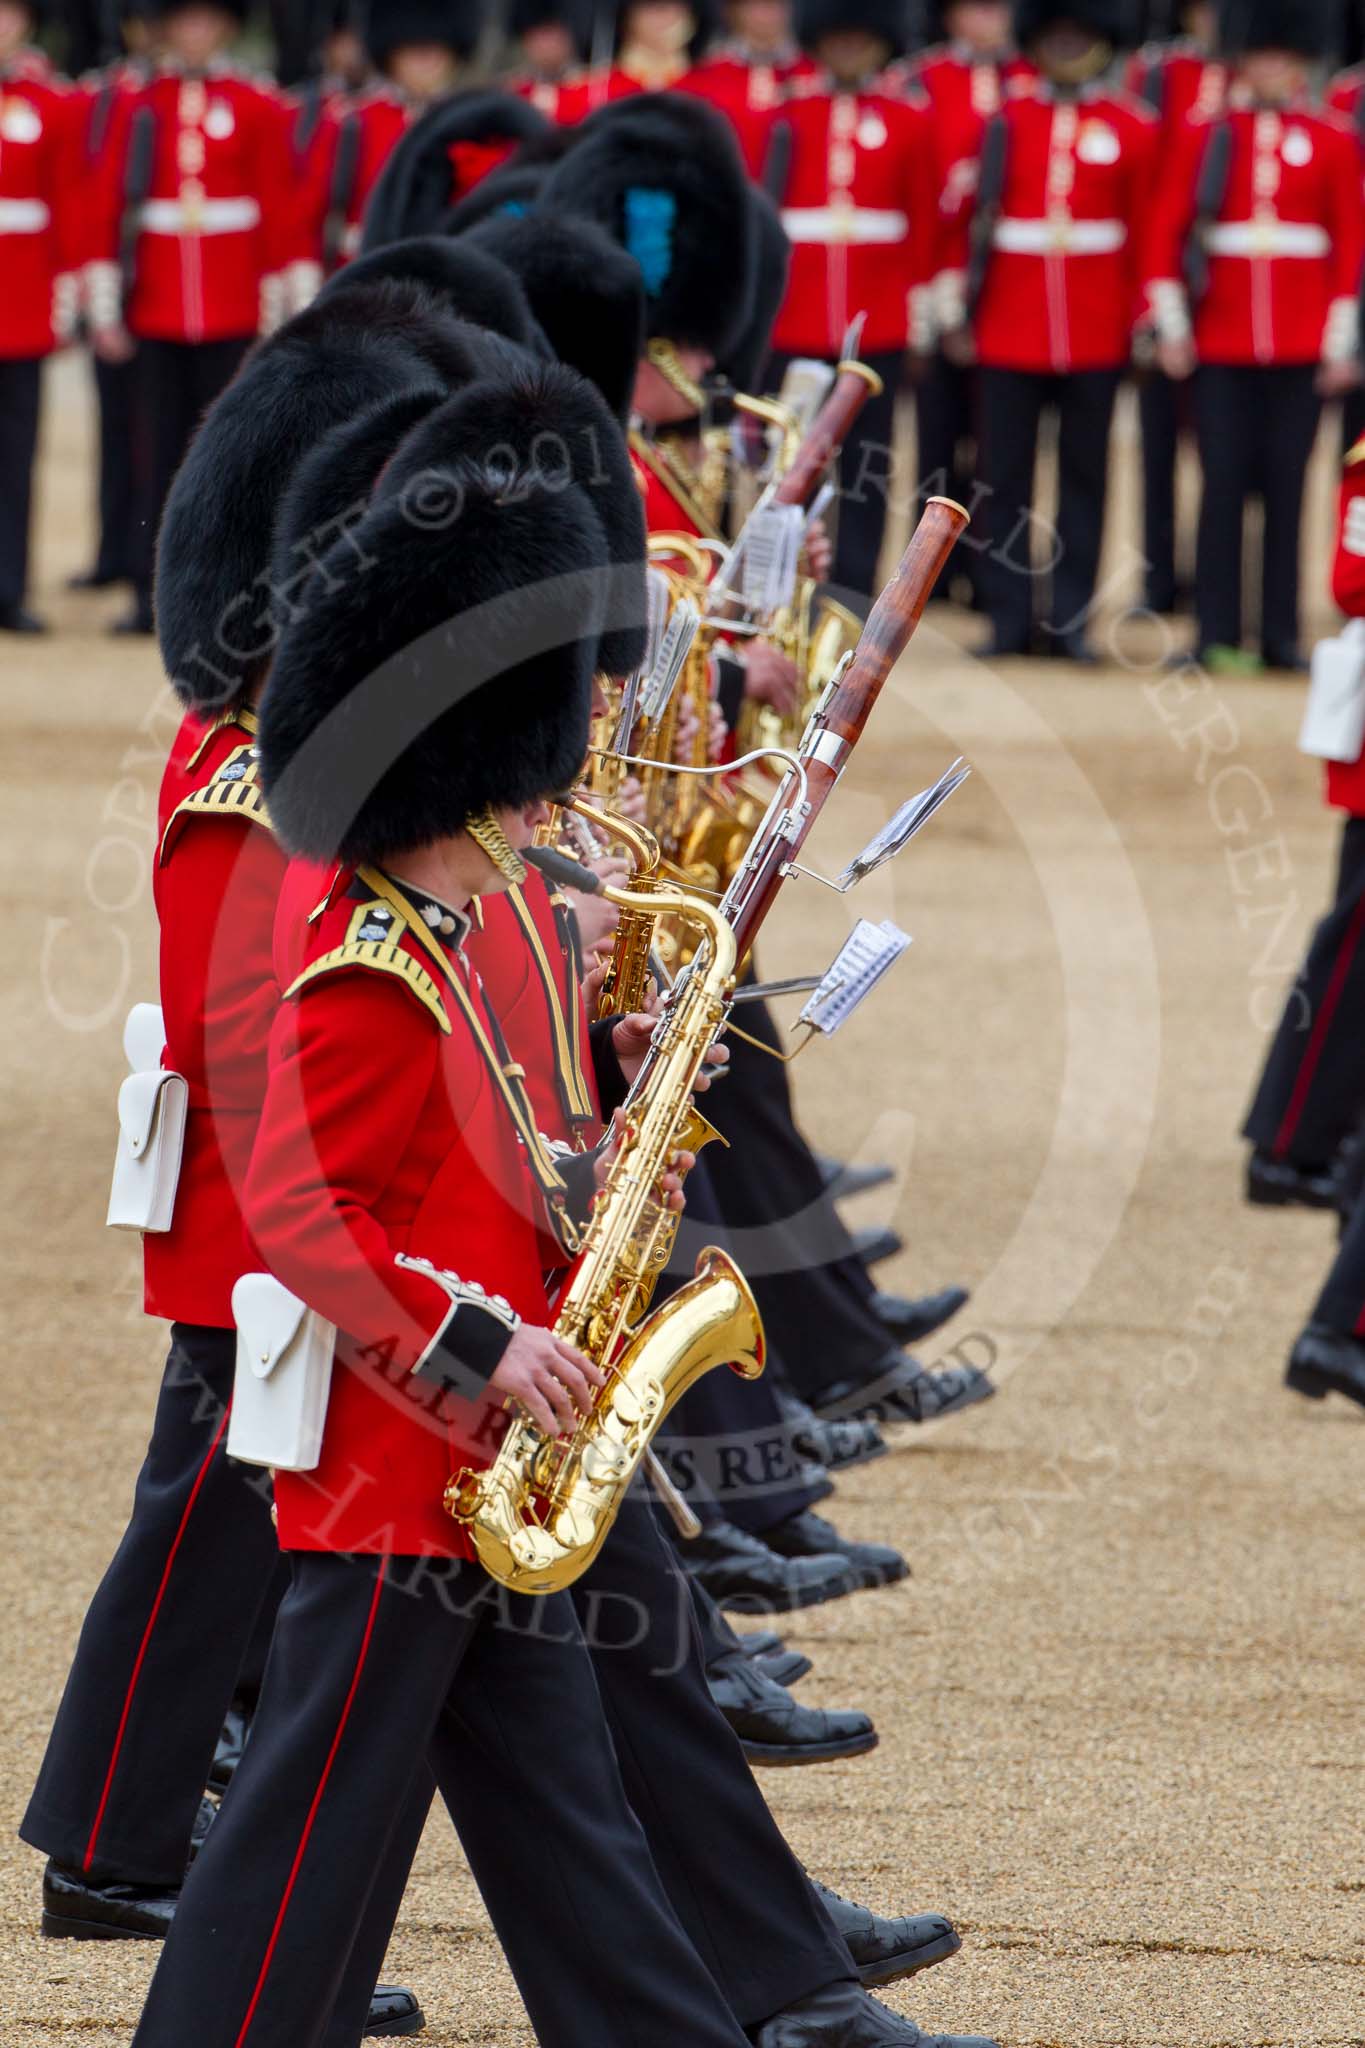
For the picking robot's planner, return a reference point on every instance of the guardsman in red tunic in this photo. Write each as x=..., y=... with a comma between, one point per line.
x=39, y=173
x=1178, y=80
x=859, y=205
x=1252, y=272
x=553, y=45
x=1065, y=179
x=752, y=72
x=188, y=225
x=1311, y=1094
x=657, y=43
x=965, y=74
x=400, y=1189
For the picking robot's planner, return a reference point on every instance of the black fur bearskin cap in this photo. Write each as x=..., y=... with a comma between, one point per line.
x=586, y=293
x=217, y=616
x=663, y=175
x=446, y=656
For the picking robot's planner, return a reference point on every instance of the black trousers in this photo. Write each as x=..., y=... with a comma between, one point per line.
x=743, y=1900
x=1311, y=1092
x=1341, y=1305
x=945, y=424
x=1159, y=413
x=726, y=1445
x=20, y=385
x=379, y=1670
x=163, y=1643
x=118, y=469
x=1012, y=406
x=1256, y=430
x=175, y=383
x=865, y=468
x=813, y=1290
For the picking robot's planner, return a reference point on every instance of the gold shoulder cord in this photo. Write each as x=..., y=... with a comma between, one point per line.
x=568, y=1044
x=506, y=1077
x=676, y=484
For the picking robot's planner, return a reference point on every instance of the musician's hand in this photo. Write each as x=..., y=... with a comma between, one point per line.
x=1335, y=379
x=819, y=551
x=717, y=733
x=630, y=1041
x=552, y=1382
x=630, y=800
x=770, y=678
x=593, y=978
x=1175, y=359
x=685, y=729
x=671, y=1185
x=598, y=919
x=959, y=346
x=113, y=344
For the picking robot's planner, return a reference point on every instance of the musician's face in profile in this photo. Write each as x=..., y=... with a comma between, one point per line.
x=657, y=401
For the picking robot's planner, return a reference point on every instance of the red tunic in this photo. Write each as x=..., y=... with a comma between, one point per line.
x=40, y=186
x=1284, y=253
x=215, y=215
x=860, y=207
x=1346, y=95
x=750, y=94
x=963, y=93
x=530, y=978
x=569, y=100
x=1060, y=290
x=216, y=883
x=1346, y=779
x=383, y=1137
x=1176, y=80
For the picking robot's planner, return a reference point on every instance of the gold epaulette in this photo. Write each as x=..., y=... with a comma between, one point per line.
x=233, y=788
x=384, y=957
x=1354, y=454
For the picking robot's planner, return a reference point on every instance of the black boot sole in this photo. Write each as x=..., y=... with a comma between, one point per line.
x=909, y=1962
x=1258, y=1196
x=784, y=1756
x=60, y=1927
x=1307, y=1379
x=389, y=2030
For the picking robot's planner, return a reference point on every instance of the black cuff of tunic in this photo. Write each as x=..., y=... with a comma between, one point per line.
x=730, y=679
x=467, y=1349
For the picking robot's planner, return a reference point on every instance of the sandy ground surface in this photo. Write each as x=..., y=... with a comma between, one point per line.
x=1120, y=1700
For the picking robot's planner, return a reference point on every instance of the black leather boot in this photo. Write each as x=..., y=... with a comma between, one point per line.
x=742, y=1572
x=886, y=1950
x=773, y=1728
x=846, y=2016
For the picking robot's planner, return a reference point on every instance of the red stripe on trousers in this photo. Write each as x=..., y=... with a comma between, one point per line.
x=200, y=1477
x=313, y=1809
x=1318, y=1035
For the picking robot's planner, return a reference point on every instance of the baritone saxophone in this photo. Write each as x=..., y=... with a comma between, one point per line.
x=541, y=1512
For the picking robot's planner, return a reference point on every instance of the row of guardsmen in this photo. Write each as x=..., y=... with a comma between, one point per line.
x=1013, y=215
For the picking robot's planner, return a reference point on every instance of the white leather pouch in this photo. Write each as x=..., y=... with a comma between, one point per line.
x=282, y=1379
x=152, y=1104
x=1333, y=726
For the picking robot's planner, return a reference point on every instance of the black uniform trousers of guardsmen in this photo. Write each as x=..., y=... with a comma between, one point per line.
x=1162, y=405
x=20, y=383
x=175, y=382
x=1311, y=1094
x=164, y=1642
x=1012, y=405
x=865, y=473
x=945, y=426
x=1256, y=428
x=385, y=1676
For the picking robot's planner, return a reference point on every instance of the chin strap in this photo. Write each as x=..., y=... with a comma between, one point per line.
x=487, y=833
x=664, y=356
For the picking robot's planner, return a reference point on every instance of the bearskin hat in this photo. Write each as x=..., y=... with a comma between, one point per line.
x=446, y=154
x=1109, y=21
x=743, y=366
x=586, y=293
x=390, y=24
x=1310, y=28
x=445, y=659
x=336, y=479
x=889, y=20
x=216, y=619
x=465, y=280
x=662, y=173
x=577, y=16
x=157, y=10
